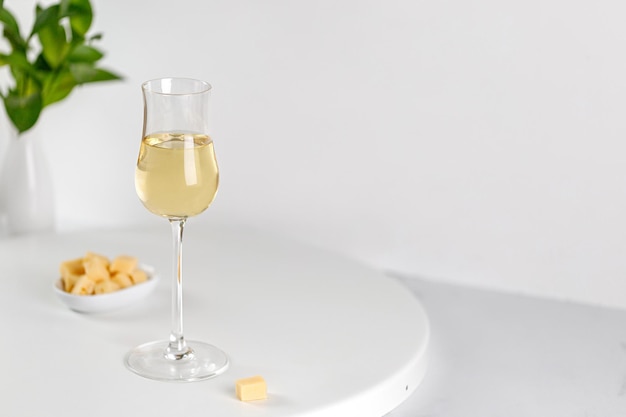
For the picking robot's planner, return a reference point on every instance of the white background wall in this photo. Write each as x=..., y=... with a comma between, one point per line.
x=475, y=142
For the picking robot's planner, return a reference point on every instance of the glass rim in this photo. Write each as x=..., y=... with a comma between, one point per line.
x=202, y=86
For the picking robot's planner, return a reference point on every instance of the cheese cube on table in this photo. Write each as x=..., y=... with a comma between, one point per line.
x=251, y=389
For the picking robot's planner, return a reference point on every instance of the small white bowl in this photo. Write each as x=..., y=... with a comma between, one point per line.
x=110, y=301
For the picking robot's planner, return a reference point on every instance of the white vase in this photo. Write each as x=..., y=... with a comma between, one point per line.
x=26, y=192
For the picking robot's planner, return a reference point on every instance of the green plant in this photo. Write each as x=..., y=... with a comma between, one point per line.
x=55, y=56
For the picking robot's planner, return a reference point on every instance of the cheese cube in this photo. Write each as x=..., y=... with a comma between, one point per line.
x=83, y=286
x=101, y=258
x=251, y=389
x=96, y=269
x=72, y=267
x=123, y=280
x=138, y=276
x=69, y=281
x=123, y=263
x=70, y=272
x=106, y=286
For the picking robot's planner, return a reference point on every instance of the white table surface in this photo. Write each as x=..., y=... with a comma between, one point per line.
x=331, y=337
x=489, y=355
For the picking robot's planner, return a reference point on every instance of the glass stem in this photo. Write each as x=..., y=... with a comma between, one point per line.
x=177, y=348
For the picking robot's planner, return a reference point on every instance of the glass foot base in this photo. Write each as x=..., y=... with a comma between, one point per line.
x=150, y=360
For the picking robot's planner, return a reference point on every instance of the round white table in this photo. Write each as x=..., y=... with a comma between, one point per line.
x=330, y=336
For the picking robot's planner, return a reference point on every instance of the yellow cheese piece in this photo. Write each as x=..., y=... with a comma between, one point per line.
x=84, y=286
x=123, y=280
x=72, y=267
x=101, y=258
x=105, y=286
x=96, y=269
x=123, y=263
x=251, y=389
x=69, y=281
x=70, y=272
x=138, y=276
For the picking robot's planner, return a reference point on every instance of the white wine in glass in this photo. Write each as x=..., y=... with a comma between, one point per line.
x=177, y=174
x=176, y=177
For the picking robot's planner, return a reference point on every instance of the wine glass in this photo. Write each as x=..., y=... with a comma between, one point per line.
x=176, y=177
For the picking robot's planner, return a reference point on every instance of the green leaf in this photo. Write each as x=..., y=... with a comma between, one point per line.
x=25, y=84
x=12, y=30
x=54, y=43
x=81, y=16
x=84, y=53
x=64, y=8
x=23, y=110
x=8, y=20
x=45, y=17
x=19, y=65
x=41, y=65
x=16, y=59
x=57, y=87
x=95, y=37
x=87, y=73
